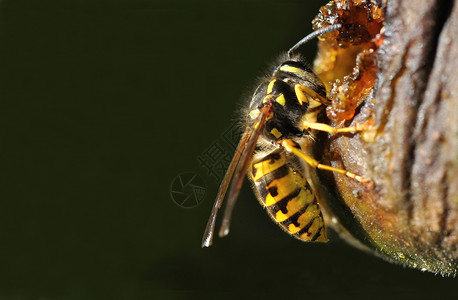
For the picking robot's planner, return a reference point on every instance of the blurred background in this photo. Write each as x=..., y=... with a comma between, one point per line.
x=116, y=124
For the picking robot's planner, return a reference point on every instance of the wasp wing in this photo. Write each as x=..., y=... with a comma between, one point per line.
x=235, y=173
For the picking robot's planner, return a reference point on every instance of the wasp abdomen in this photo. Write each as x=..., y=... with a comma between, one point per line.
x=287, y=196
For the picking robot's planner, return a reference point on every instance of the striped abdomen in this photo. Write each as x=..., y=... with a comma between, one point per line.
x=287, y=196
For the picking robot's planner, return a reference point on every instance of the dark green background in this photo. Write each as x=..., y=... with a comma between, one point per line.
x=103, y=104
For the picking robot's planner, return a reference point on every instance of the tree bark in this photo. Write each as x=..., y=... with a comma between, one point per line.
x=410, y=213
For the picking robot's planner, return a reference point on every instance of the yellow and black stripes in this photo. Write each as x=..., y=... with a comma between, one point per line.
x=287, y=196
x=296, y=95
x=298, y=73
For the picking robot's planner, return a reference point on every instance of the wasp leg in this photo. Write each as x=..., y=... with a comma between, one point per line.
x=332, y=130
x=295, y=149
x=303, y=93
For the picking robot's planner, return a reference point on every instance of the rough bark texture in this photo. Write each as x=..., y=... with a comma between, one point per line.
x=410, y=214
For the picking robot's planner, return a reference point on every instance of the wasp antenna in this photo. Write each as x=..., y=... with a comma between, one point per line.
x=314, y=35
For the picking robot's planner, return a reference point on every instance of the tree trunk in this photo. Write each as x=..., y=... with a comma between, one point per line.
x=410, y=213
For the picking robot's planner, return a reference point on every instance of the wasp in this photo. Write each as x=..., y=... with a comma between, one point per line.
x=280, y=121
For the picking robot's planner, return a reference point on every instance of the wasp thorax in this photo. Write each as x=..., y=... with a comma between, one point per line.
x=288, y=108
